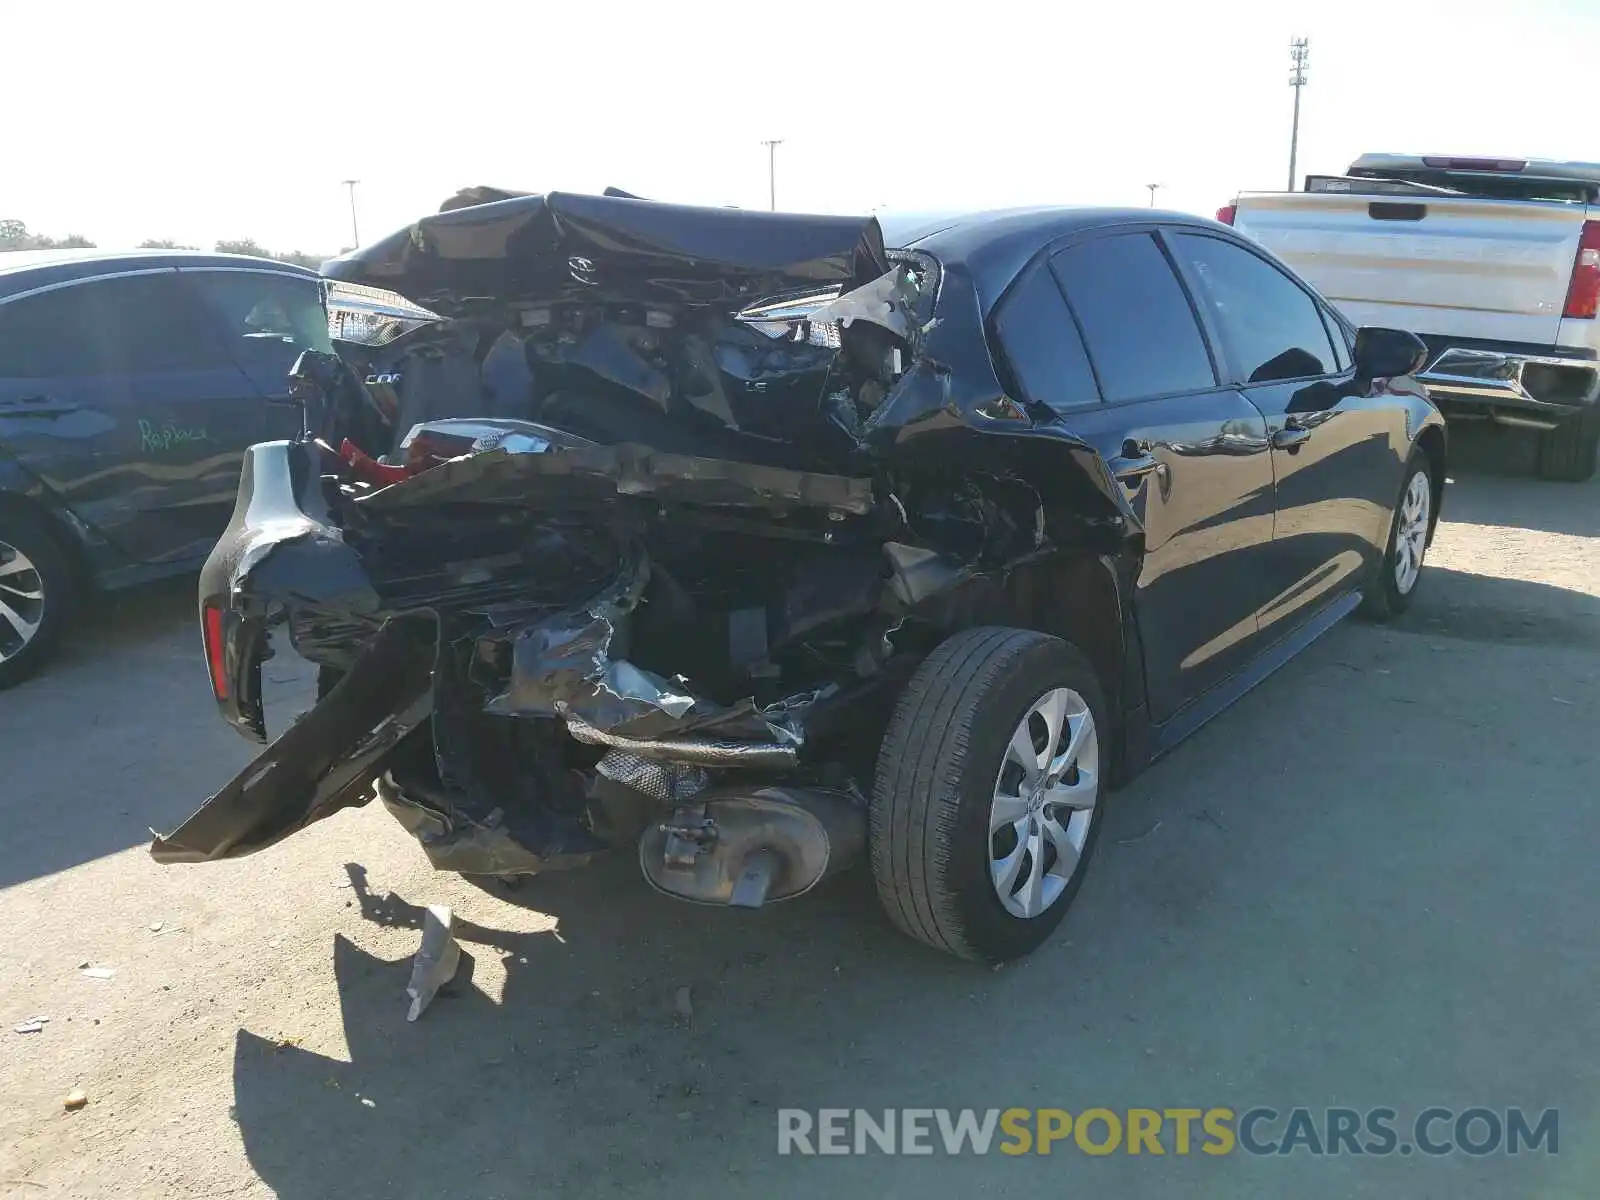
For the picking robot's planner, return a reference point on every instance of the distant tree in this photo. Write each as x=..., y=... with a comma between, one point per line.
x=164, y=244
x=300, y=259
x=14, y=235
x=242, y=246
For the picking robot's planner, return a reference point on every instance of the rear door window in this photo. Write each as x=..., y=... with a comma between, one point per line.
x=1140, y=331
x=1041, y=344
x=1272, y=327
x=126, y=325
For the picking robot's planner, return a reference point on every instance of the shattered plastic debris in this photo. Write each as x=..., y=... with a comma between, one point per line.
x=32, y=1025
x=887, y=301
x=436, y=961
x=97, y=972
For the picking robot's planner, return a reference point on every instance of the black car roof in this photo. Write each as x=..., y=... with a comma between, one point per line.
x=29, y=270
x=995, y=246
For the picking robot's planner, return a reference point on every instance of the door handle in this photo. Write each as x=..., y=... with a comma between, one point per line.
x=35, y=406
x=1135, y=461
x=1290, y=437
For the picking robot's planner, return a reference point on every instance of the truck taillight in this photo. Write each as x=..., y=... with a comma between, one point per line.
x=1226, y=213
x=1583, y=293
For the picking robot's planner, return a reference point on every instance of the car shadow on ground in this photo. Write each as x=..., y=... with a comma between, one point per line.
x=118, y=733
x=1494, y=483
x=592, y=1071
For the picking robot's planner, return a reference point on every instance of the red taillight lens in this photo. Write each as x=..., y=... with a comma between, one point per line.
x=1583, y=293
x=1226, y=213
x=429, y=449
x=211, y=630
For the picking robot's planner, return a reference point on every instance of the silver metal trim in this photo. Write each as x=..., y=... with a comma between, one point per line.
x=1497, y=375
x=83, y=279
x=66, y=283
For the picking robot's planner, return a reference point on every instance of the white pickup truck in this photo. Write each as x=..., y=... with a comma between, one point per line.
x=1494, y=262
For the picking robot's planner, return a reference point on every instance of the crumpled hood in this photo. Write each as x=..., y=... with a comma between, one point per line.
x=543, y=248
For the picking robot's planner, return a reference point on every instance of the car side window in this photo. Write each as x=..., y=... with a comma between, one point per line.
x=1041, y=344
x=266, y=320
x=129, y=324
x=1140, y=330
x=1272, y=327
x=1343, y=346
x=47, y=336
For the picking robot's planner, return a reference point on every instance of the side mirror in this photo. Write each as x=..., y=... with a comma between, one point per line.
x=1385, y=353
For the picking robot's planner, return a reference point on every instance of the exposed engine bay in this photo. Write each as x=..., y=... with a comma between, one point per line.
x=613, y=555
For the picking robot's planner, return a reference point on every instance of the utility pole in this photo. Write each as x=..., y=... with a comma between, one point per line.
x=355, y=233
x=1299, y=53
x=772, y=145
x=1152, y=187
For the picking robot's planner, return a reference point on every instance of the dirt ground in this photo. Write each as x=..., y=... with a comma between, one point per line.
x=1370, y=883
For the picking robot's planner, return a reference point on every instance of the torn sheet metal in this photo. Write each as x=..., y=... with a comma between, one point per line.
x=324, y=762
x=437, y=960
x=590, y=472
x=889, y=300
x=919, y=572
x=566, y=660
x=527, y=842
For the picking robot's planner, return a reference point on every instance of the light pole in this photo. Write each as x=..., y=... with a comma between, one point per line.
x=1152, y=187
x=1299, y=53
x=772, y=145
x=355, y=233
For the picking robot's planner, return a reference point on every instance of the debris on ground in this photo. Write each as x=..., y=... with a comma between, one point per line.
x=75, y=1100
x=89, y=972
x=683, y=1004
x=155, y=926
x=1135, y=840
x=33, y=1025
x=436, y=961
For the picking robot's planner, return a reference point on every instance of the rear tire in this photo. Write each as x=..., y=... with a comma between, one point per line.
x=37, y=592
x=1395, y=586
x=1568, y=453
x=954, y=802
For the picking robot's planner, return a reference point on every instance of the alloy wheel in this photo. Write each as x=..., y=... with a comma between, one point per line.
x=22, y=601
x=1044, y=799
x=1411, y=532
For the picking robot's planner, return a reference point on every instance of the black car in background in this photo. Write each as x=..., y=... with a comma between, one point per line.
x=782, y=542
x=131, y=385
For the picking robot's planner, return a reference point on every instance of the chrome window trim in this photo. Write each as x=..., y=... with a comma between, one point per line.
x=66, y=283
x=83, y=279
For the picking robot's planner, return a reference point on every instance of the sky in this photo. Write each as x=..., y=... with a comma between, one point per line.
x=200, y=121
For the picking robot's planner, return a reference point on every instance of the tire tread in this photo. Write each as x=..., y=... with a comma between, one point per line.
x=916, y=795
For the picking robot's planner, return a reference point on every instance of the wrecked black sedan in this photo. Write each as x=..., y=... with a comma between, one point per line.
x=740, y=543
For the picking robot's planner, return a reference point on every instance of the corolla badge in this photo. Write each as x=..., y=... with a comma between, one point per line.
x=582, y=270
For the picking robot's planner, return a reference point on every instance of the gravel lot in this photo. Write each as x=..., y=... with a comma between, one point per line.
x=1370, y=883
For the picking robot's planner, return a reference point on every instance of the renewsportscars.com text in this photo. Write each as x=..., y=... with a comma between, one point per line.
x=1432, y=1131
